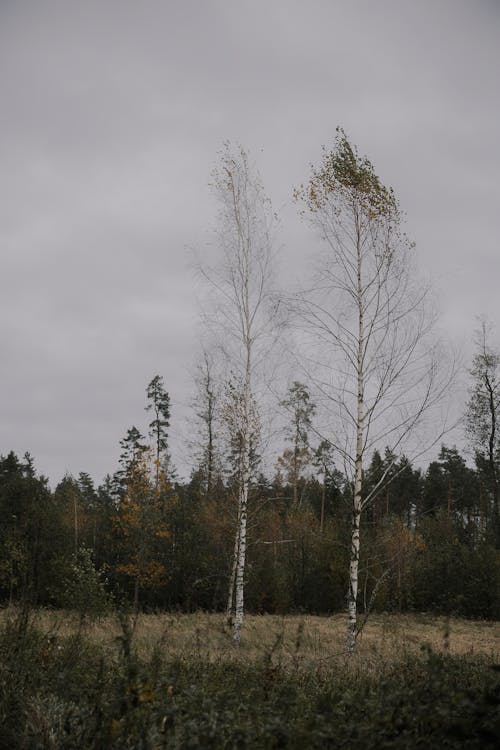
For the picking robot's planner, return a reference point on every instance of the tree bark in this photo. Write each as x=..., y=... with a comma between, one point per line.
x=232, y=578
x=243, y=506
x=358, y=466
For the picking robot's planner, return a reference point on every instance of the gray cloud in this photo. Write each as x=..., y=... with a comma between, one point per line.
x=111, y=118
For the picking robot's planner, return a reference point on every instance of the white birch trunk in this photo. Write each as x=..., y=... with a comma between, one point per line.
x=232, y=577
x=353, y=576
x=240, y=565
x=245, y=481
x=358, y=466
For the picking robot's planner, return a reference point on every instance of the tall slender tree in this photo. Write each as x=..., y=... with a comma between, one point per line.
x=242, y=287
x=206, y=407
x=159, y=404
x=365, y=316
x=299, y=406
x=323, y=461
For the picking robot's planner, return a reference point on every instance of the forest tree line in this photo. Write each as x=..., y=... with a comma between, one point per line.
x=345, y=515
x=146, y=540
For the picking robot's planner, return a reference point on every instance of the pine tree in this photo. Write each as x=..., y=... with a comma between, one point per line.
x=300, y=409
x=159, y=404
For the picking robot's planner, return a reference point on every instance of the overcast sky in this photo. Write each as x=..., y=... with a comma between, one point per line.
x=112, y=114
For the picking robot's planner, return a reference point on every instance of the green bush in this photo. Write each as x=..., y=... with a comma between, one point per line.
x=84, y=588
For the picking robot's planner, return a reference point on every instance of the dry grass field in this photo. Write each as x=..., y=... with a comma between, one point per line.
x=292, y=640
x=181, y=682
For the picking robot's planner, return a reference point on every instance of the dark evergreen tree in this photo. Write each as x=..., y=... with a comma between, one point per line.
x=322, y=459
x=453, y=487
x=133, y=447
x=206, y=443
x=482, y=426
x=69, y=498
x=159, y=405
x=87, y=489
x=300, y=409
x=33, y=541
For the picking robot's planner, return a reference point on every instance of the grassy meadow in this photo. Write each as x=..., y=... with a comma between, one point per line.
x=177, y=681
x=292, y=640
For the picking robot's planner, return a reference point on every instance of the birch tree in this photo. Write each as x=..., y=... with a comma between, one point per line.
x=242, y=427
x=366, y=327
x=241, y=285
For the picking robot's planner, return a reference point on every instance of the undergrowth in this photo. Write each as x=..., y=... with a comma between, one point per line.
x=69, y=692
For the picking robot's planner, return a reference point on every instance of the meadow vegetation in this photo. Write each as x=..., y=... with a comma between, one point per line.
x=178, y=681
